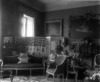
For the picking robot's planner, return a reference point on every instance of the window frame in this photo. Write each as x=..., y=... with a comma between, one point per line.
x=26, y=25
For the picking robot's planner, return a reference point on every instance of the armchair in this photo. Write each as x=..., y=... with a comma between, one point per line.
x=71, y=68
x=57, y=68
x=97, y=62
x=2, y=72
x=1, y=64
x=95, y=73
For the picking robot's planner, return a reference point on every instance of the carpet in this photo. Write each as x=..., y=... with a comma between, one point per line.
x=27, y=79
x=34, y=79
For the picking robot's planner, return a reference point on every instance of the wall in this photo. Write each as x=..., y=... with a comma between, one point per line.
x=64, y=15
x=39, y=17
x=11, y=13
x=9, y=22
x=9, y=16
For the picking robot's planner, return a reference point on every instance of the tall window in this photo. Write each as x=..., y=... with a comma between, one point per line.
x=27, y=26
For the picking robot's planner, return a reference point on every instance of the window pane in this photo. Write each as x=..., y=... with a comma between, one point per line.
x=24, y=26
x=30, y=27
x=27, y=26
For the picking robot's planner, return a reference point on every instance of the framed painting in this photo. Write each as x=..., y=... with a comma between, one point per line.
x=53, y=28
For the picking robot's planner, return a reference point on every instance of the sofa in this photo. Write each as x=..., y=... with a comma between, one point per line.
x=34, y=63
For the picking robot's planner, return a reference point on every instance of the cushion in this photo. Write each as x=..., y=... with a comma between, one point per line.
x=10, y=60
x=23, y=58
x=34, y=59
x=23, y=55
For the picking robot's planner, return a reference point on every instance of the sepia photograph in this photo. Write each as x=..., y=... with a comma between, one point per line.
x=49, y=40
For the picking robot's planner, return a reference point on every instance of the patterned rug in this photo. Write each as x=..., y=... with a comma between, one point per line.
x=35, y=79
x=27, y=79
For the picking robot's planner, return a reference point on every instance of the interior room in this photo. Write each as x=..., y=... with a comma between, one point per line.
x=49, y=41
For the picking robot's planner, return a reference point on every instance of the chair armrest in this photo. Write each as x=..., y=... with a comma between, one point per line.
x=43, y=62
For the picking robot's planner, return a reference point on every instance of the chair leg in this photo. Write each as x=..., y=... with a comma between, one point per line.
x=11, y=73
x=62, y=77
x=76, y=77
x=43, y=71
x=58, y=76
x=11, y=78
x=47, y=75
x=67, y=76
x=53, y=78
x=0, y=74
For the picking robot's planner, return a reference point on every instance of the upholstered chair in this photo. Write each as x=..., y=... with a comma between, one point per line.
x=1, y=64
x=71, y=69
x=97, y=62
x=56, y=69
x=5, y=73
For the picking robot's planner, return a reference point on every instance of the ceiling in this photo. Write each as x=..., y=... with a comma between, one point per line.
x=52, y=5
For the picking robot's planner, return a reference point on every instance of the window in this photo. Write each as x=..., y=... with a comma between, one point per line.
x=27, y=26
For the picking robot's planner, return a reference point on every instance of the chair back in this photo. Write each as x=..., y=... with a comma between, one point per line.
x=60, y=59
x=61, y=64
x=97, y=60
x=70, y=65
x=1, y=64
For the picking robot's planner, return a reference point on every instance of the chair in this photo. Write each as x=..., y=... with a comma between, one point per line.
x=2, y=72
x=57, y=68
x=71, y=69
x=1, y=64
x=96, y=69
x=97, y=62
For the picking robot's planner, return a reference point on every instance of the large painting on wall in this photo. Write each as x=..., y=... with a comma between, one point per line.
x=53, y=27
x=84, y=26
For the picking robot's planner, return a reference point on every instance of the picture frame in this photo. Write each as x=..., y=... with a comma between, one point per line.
x=53, y=28
x=81, y=27
x=7, y=40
